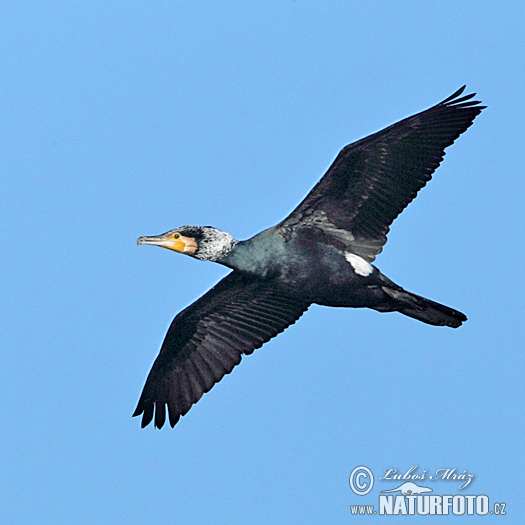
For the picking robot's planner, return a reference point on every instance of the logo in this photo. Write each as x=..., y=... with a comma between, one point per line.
x=410, y=489
x=409, y=498
x=358, y=486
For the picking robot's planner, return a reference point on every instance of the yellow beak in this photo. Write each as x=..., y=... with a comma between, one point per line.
x=164, y=242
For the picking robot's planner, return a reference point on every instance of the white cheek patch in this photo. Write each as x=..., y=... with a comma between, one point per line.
x=190, y=246
x=360, y=266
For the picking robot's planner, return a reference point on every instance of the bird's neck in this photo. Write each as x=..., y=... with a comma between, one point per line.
x=258, y=255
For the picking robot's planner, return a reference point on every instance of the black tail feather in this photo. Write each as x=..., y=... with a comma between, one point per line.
x=425, y=310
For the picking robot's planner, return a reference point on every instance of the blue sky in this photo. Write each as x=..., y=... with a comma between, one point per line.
x=121, y=119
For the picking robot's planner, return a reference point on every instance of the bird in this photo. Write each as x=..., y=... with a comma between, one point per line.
x=322, y=253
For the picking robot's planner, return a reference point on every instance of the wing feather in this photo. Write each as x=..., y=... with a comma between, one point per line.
x=207, y=339
x=372, y=180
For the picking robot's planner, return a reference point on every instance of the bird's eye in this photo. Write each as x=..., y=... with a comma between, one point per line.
x=176, y=235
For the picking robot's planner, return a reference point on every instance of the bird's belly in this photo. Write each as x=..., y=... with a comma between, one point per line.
x=333, y=280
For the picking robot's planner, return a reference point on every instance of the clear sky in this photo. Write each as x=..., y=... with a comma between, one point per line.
x=124, y=118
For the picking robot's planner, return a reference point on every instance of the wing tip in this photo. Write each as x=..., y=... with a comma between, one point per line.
x=455, y=100
x=156, y=413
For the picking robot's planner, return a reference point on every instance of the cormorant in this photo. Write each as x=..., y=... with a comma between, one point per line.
x=321, y=253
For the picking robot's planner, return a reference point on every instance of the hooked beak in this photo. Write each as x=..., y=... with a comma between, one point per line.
x=182, y=244
x=149, y=240
x=164, y=242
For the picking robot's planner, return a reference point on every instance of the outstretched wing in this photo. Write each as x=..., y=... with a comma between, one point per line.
x=207, y=339
x=372, y=180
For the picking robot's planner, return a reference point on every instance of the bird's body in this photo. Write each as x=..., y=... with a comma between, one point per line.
x=320, y=254
x=316, y=271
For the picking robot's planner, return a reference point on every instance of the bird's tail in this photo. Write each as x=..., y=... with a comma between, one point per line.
x=424, y=309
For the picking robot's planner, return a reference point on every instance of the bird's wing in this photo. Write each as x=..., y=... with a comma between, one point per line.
x=372, y=180
x=207, y=339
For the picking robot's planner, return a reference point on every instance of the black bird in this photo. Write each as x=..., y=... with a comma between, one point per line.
x=321, y=253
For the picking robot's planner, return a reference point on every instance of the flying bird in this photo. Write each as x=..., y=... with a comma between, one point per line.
x=320, y=254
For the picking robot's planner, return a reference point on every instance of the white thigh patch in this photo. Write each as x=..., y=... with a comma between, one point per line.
x=360, y=266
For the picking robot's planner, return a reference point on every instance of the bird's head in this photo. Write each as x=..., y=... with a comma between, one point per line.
x=202, y=242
